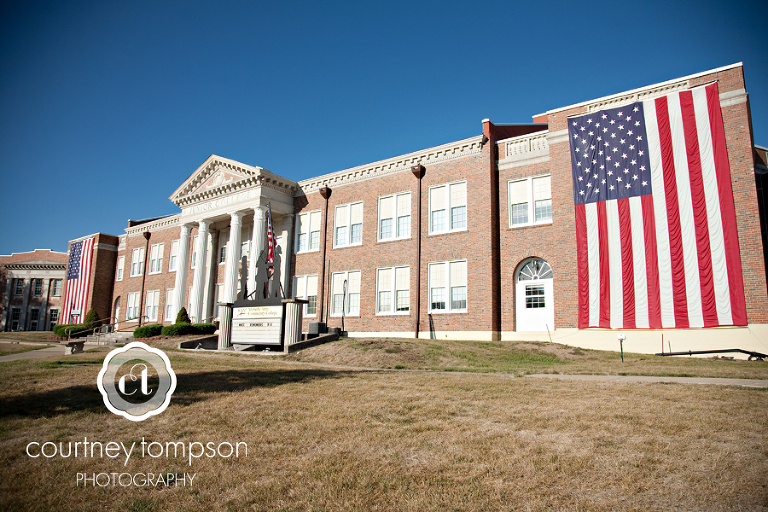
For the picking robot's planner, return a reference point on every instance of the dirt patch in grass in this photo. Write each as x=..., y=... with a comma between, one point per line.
x=329, y=439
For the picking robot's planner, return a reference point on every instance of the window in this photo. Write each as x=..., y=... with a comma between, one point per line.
x=56, y=287
x=305, y=287
x=156, y=258
x=523, y=211
x=169, y=304
x=348, y=302
x=150, y=309
x=308, y=232
x=194, y=252
x=222, y=254
x=448, y=286
x=132, y=311
x=19, y=287
x=38, y=288
x=54, y=318
x=393, y=295
x=448, y=207
x=395, y=216
x=174, y=256
x=15, y=315
x=534, y=296
x=348, y=225
x=34, y=317
x=137, y=262
x=243, y=250
x=120, y=268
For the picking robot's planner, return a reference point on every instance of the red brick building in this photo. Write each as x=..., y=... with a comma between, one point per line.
x=470, y=239
x=31, y=289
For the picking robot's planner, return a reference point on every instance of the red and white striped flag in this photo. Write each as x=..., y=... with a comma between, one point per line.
x=656, y=237
x=270, y=240
x=78, y=281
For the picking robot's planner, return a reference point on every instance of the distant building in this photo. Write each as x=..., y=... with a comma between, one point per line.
x=31, y=290
x=483, y=238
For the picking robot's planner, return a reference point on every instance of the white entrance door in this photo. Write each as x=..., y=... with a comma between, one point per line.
x=534, y=297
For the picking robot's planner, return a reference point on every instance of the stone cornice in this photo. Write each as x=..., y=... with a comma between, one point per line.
x=164, y=223
x=36, y=266
x=450, y=151
x=189, y=192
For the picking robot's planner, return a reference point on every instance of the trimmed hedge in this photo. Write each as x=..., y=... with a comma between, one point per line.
x=60, y=330
x=147, y=331
x=183, y=328
x=182, y=317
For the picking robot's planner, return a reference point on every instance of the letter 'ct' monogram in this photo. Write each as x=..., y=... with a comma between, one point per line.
x=143, y=378
x=113, y=389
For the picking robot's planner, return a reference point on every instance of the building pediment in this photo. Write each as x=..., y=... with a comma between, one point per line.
x=218, y=176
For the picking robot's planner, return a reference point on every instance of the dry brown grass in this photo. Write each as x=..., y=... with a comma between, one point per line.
x=329, y=439
x=7, y=348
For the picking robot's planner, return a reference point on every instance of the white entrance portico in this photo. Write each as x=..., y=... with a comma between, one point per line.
x=226, y=195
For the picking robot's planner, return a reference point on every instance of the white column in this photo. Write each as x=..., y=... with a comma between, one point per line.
x=198, y=284
x=257, y=245
x=287, y=251
x=209, y=276
x=233, y=259
x=179, y=289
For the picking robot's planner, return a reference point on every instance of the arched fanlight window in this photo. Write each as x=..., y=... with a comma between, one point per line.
x=535, y=269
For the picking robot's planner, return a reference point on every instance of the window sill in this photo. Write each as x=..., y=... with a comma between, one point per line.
x=533, y=225
x=437, y=233
x=445, y=312
x=308, y=251
x=348, y=315
x=347, y=246
x=389, y=240
x=397, y=313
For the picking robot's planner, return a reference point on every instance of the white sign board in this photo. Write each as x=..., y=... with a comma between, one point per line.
x=257, y=325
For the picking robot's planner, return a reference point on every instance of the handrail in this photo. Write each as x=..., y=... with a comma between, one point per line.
x=69, y=332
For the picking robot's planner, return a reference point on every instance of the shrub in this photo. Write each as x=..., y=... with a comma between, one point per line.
x=204, y=328
x=147, y=331
x=183, y=317
x=177, y=329
x=91, y=319
x=60, y=330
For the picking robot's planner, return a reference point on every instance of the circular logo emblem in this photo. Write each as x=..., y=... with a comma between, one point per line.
x=136, y=381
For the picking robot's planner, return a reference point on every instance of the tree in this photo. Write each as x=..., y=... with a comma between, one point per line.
x=91, y=319
x=183, y=317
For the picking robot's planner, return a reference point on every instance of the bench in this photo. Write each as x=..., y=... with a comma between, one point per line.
x=73, y=346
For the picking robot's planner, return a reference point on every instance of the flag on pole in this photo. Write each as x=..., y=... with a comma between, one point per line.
x=656, y=238
x=270, y=240
x=78, y=281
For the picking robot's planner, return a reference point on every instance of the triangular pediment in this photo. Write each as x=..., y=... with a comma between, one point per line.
x=215, y=172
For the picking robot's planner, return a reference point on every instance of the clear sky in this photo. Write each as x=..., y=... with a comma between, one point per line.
x=107, y=107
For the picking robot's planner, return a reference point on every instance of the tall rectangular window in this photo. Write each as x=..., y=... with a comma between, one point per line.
x=530, y=201
x=156, y=258
x=194, y=252
x=132, y=309
x=54, y=318
x=15, y=316
x=345, y=293
x=120, y=268
x=395, y=216
x=393, y=290
x=169, y=313
x=308, y=231
x=19, y=287
x=448, y=286
x=137, y=262
x=38, y=287
x=150, y=308
x=448, y=207
x=348, y=223
x=34, y=318
x=174, y=256
x=305, y=287
x=56, y=287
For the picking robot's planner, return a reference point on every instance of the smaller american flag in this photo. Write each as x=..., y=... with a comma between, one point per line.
x=78, y=280
x=270, y=240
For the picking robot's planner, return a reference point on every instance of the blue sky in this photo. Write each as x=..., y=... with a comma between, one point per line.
x=106, y=108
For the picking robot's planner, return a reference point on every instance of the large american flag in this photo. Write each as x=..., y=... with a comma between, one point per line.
x=270, y=239
x=78, y=280
x=656, y=236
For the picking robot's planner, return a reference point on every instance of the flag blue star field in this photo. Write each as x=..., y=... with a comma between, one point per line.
x=656, y=236
x=78, y=280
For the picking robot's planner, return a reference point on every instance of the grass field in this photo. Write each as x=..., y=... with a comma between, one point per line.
x=327, y=430
x=11, y=348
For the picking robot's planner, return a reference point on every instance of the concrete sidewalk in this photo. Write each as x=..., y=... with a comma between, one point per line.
x=642, y=378
x=49, y=351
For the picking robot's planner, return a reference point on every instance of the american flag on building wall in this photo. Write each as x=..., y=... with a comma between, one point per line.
x=270, y=240
x=78, y=281
x=656, y=237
